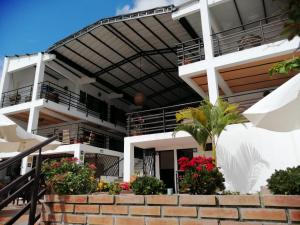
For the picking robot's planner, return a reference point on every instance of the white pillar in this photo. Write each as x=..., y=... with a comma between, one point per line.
x=4, y=85
x=128, y=160
x=206, y=30
x=38, y=77
x=213, y=88
x=157, y=166
x=33, y=119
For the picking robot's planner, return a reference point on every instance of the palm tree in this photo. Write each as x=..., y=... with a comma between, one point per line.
x=208, y=121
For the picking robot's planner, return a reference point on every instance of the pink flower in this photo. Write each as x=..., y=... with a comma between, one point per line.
x=125, y=186
x=195, y=175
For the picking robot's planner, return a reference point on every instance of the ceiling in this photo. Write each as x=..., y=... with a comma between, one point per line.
x=130, y=54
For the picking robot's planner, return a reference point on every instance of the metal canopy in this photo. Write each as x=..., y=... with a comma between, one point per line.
x=129, y=54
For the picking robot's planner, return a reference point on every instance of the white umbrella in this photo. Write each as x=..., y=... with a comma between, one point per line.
x=280, y=110
x=13, y=138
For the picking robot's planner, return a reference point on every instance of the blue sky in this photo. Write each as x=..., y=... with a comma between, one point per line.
x=28, y=26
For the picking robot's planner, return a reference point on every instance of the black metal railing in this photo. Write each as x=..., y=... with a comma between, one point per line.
x=30, y=183
x=190, y=51
x=82, y=133
x=72, y=100
x=257, y=33
x=154, y=120
x=17, y=96
x=162, y=120
x=266, y=30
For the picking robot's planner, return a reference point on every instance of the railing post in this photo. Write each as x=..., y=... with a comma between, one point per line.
x=262, y=32
x=128, y=124
x=218, y=43
x=16, y=97
x=70, y=97
x=183, y=54
x=35, y=189
x=164, y=121
x=3, y=99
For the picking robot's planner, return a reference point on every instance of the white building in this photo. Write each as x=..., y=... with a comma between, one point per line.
x=173, y=56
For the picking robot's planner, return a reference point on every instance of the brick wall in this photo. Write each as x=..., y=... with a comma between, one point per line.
x=171, y=210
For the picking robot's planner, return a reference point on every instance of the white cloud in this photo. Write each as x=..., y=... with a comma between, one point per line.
x=139, y=5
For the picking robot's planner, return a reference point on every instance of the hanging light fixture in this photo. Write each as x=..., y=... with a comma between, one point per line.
x=139, y=97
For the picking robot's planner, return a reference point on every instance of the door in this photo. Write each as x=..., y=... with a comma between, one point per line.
x=166, y=164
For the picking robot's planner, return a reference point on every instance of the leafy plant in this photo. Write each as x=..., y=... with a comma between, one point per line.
x=103, y=186
x=208, y=121
x=286, y=67
x=114, y=188
x=292, y=26
x=147, y=186
x=200, y=176
x=291, y=30
x=68, y=176
x=285, y=182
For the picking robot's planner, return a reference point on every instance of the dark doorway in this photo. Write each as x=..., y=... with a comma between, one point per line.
x=166, y=164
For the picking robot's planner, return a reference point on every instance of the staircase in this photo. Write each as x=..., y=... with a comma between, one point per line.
x=28, y=184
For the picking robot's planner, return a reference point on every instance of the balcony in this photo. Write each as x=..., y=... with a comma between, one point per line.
x=163, y=120
x=57, y=94
x=264, y=31
x=83, y=133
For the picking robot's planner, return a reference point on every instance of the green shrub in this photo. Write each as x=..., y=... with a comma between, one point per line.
x=147, y=186
x=285, y=182
x=114, y=188
x=68, y=176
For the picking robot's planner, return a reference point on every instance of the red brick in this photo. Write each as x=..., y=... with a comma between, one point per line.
x=239, y=200
x=71, y=218
x=101, y=199
x=228, y=222
x=162, y=221
x=263, y=214
x=51, y=217
x=114, y=209
x=87, y=208
x=66, y=198
x=177, y=211
x=130, y=221
x=53, y=198
x=294, y=215
x=281, y=200
x=145, y=210
x=197, y=200
x=130, y=199
x=162, y=199
x=58, y=207
x=222, y=213
x=100, y=220
x=198, y=222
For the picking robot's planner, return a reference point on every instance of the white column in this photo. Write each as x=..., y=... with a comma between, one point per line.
x=213, y=88
x=128, y=160
x=38, y=77
x=206, y=29
x=157, y=166
x=5, y=78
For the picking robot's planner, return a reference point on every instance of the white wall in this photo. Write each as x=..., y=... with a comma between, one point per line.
x=22, y=78
x=248, y=155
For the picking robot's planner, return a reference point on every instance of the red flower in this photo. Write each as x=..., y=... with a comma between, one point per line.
x=199, y=168
x=195, y=175
x=125, y=186
x=209, y=167
x=92, y=166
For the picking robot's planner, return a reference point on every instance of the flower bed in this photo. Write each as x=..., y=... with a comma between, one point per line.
x=171, y=209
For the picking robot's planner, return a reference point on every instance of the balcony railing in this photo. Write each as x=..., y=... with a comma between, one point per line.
x=190, y=51
x=260, y=32
x=264, y=31
x=83, y=133
x=162, y=120
x=17, y=96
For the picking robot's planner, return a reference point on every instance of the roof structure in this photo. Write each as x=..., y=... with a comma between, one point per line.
x=129, y=54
